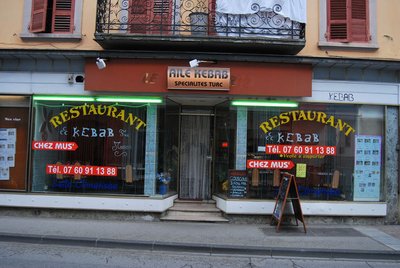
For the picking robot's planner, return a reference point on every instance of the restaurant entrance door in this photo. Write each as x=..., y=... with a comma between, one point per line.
x=196, y=154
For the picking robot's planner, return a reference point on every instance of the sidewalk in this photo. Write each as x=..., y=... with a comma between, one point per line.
x=325, y=241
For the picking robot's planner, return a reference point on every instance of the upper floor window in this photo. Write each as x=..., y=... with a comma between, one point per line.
x=52, y=19
x=348, y=23
x=348, y=20
x=52, y=16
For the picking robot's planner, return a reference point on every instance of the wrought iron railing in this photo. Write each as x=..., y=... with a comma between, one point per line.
x=191, y=18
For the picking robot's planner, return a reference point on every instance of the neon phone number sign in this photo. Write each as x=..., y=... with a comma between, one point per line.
x=106, y=171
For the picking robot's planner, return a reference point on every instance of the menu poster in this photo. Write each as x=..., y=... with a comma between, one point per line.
x=367, y=168
x=301, y=170
x=8, y=139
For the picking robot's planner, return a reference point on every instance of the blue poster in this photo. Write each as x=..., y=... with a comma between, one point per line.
x=367, y=168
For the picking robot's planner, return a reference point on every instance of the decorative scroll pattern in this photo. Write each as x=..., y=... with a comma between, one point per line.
x=190, y=18
x=261, y=23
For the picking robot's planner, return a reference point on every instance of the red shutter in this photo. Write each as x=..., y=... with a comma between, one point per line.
x=337, y=20
x=348, y=20
x=38, y=16
x=150, y=16
x=359, y=29
x=211, y=17
x=139, y=15
x=63, y=16
x=162, y=17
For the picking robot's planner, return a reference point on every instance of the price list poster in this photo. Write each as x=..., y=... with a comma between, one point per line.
x=367, y=168
x=7, y=151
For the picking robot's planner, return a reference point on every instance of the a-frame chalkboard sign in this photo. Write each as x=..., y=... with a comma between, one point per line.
x=287, y=191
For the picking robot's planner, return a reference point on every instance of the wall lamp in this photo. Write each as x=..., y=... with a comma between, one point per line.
x=101, y=63
x=63, y=98
x=129, y=99
x=258, y=103
x=126, y=99
x=195, y=63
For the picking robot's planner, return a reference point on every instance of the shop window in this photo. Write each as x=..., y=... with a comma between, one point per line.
x=334, y=151
x=348, y=23
x=52, y=19
x=168, y=152
x=88, y=147
x=224, y=147
x=14, y=133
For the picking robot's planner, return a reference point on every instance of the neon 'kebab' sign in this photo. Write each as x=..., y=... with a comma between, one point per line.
x=301, y=115
x=103, y=110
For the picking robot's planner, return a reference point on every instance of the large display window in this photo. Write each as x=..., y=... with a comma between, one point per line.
x=334, y=151
x=14, y=134
x=88, y=146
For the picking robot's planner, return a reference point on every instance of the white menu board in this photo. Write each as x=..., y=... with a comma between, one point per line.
x=8, y=139
x=367, y=168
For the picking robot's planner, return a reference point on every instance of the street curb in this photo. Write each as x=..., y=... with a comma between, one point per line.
x=201, y=248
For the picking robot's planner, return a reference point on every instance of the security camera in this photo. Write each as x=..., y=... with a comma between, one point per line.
x=101, y=64
x=194, y=63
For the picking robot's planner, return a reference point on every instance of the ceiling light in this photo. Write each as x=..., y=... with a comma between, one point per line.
x=264, y=103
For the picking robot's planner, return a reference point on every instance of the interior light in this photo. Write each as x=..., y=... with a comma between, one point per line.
x=130, y=99
x=63, y=98
x=264, y=103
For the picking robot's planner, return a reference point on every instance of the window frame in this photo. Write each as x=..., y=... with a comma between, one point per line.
x=76, y=34
x=323, y=28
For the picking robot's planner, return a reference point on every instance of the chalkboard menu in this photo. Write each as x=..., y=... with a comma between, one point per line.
x=238, y=183
x=287, y=191
x=277, y=213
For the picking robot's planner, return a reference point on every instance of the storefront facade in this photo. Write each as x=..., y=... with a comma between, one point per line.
x=141, y=133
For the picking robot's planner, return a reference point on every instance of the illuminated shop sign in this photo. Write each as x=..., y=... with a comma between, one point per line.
x=301, y=115
x=103, y=110
x=270, y=164
x=200, y=78
x=81, y=170
x=300, y=149
x=54, y=145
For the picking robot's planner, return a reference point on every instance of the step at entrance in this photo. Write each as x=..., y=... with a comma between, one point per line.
x=197, y=211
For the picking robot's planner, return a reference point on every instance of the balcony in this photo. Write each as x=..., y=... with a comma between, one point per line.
x=200, y=25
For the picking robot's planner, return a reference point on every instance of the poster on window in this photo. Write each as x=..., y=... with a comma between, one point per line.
x=7, y=151
x=367, y=168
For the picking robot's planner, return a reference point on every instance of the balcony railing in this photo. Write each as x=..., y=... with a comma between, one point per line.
x=197, y=19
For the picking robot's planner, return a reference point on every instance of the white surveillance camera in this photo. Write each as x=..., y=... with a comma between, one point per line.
x=101, y=64
x=194, y=63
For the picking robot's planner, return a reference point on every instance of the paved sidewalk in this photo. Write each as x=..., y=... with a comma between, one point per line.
x=326, y=241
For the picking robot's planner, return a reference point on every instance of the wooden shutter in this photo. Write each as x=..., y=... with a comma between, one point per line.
x=150, y=16
x=348, y=21
x=38, y=16
x=337, y=20
x=63, y=16
x=211, y=17
x=359, y=29
x=139, y=15
x=162, y=17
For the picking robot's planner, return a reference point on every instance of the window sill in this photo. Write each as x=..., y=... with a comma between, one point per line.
x=350, y=46
x=50, y=36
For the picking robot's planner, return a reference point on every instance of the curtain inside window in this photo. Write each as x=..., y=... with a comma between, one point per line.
x=194, y=165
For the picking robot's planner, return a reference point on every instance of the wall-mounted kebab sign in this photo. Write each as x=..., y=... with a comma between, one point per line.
x=200, y=78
